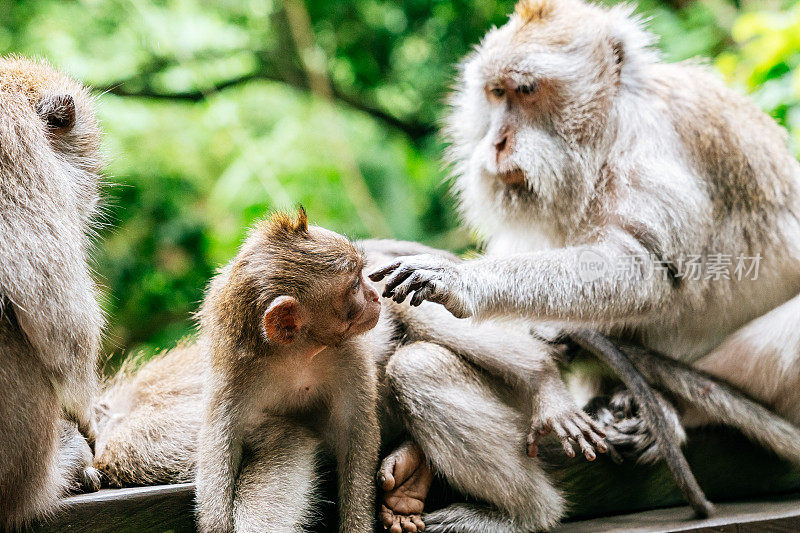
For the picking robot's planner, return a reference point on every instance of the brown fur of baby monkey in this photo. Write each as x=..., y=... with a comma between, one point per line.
x=287, y=374
x=50, y=319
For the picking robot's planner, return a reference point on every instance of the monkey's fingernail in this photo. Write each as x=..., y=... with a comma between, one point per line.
x=601, y=447
x=590, y=456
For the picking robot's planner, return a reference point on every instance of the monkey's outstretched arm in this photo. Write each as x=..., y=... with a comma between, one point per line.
x=219, y=456
x=548, y=285
x=606, y=351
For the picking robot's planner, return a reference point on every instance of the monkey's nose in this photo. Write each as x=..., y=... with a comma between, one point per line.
x=502, y=143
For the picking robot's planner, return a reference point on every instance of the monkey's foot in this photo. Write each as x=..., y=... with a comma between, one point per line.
x=405, y=477
x=628, y=435
x=90, y=481
x=571, y=426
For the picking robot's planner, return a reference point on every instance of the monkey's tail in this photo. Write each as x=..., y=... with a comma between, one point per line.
x=602, y=348
x=719, y=401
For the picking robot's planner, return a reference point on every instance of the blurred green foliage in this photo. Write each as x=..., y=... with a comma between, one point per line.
x=765, y=63
x=216, y=111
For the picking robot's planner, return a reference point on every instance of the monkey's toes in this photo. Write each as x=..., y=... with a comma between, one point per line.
x=91, y=479
x=397, y=523
x=578, y=428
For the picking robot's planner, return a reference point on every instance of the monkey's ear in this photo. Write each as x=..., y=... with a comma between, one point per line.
x=283, y=319
x=58, y=111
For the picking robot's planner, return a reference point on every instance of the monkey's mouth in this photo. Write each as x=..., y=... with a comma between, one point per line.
x=514, y=176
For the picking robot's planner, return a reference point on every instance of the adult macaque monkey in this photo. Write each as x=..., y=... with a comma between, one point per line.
x=50, y=321
x=287, y=373
x=573, y=143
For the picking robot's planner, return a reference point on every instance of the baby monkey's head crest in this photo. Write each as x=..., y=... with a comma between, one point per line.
x=282, y=224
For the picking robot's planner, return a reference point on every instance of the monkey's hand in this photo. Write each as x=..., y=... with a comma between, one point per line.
x=571, y=425
x=404, y=477
x=429, y=277
x=628, y=435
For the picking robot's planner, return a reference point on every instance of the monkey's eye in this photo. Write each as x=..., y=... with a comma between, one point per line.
x=527, y=89
x=497, y=92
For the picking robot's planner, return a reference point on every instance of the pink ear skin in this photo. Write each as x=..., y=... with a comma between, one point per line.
x=284, y=319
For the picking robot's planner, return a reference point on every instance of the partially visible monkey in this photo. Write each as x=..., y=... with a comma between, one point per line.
x=573, y=143
x=150, y=417
x=50, y=319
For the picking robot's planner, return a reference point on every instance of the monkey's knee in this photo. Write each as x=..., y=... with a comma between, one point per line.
x=413, y=366
x=472, y=438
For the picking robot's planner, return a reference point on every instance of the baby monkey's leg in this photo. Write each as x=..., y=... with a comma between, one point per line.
x=276, y=487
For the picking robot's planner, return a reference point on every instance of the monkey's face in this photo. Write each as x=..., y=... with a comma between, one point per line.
x=352, y=307
x=530, y=114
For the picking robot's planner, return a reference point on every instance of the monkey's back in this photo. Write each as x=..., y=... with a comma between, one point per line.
x=148, y=421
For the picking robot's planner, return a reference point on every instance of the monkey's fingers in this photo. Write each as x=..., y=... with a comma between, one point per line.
x=393, y=281
x=591, y=432
x=414, y=282
x=418, y=522
x=563, y=436
x=593, y=424
x=380, y=273
x=576, y=434
x=423, y=294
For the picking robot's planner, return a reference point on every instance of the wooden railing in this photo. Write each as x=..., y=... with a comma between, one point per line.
x=170, y=508
x=133, y=510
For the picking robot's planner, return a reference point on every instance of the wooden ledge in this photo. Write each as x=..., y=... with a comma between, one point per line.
x=170, y=508
x=139, y=509
x=774, y=514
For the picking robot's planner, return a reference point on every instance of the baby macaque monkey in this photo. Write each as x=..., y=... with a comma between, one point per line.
x=288, y=373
